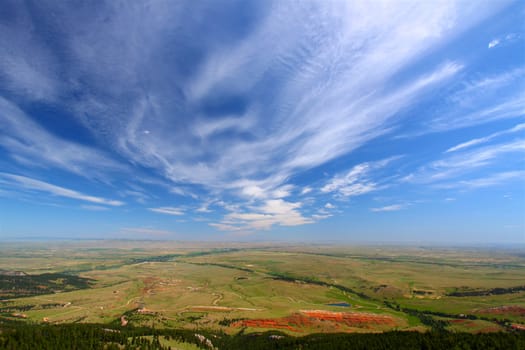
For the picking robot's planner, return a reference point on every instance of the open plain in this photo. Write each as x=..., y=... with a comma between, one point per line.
x=296, y=289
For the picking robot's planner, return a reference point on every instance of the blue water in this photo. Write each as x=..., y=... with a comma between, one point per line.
x=340, y=304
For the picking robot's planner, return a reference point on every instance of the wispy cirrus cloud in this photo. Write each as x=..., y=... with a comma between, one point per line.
x=387, y=208
x=480, y=101
x=494, y=179
x=168, y=211
x=94, y=207
x=227, y=111
x=457, y=165
x=41, y=186
x=29, y=68
x=485, y=139
x=306, y=190
x=251, y=132
x=321, y=216
x=204, y=208
x=138, y=195
x=30, y=144
x=358, y=180
x=504, y=40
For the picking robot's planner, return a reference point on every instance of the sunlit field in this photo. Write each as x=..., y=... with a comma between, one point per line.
x=294, y=289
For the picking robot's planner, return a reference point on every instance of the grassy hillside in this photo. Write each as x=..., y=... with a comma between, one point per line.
x=297, y=290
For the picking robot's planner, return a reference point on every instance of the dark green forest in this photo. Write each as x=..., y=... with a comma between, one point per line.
x=492, y=291
x=20, y=336
x=23, y=285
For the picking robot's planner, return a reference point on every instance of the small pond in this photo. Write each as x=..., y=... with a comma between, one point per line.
x=340, y=304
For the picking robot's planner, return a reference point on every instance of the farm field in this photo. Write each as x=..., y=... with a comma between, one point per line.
x=295, y=289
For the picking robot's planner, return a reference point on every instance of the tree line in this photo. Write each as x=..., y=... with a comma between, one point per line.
x=20, y=336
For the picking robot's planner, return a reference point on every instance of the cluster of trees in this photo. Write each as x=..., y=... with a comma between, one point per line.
x=15, y=286
x=485, y=292
x=313, y=280
x=51, y=305
x=81, y=336
x=156, y=258
x=16, y=308
x=171, y=257
x=439, y=325
x=20, y=336
x=389, y=340
x=226, y=266
x=424, y=316
x=228, y=321
x=7, y=308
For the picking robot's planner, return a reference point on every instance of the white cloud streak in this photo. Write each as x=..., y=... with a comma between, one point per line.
x=496, y=97
x=324, y=86
x=485, y=139
x=332, y=70
x=306, y=190
x=28, y=68
x=487, y=181
x=33, y=184
x=168, y=211
x=387, y=208
x=94, y=207
x=504, y=40
x=493, y=43
x=465, y=162
x=357, y=181
x=30, y=144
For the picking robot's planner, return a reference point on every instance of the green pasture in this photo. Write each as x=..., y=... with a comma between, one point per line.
x=198, y=286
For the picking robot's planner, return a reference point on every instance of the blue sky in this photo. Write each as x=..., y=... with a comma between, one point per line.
x=286, y=120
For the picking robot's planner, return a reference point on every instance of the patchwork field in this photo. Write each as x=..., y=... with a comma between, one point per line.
x=251, y=288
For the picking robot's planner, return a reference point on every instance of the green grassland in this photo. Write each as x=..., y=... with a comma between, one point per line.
x=210, y=286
